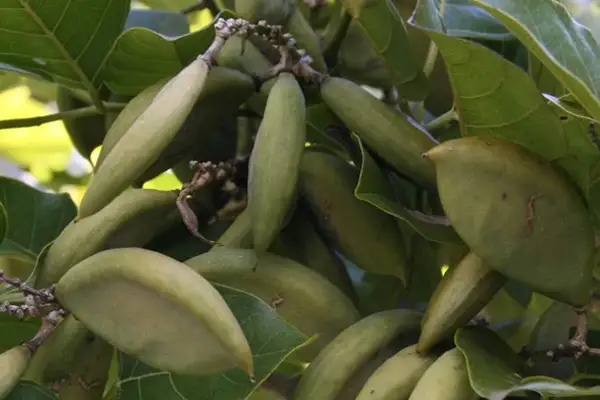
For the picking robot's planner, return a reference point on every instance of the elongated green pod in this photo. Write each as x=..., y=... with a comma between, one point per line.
x=389, y=133
x=239, y=234
x=132, y=219
x=167, y=300
x=127, y=117
x=445, y=379
x=275, y=12
x=463, y=292
x=396, y=378
x=518, y=214
x=301, y=296
x=86, y=133
x=13, y=363
x=326, y=376
x=275, y=160
x=152, y=131
x=364, y=234
x=306, y=38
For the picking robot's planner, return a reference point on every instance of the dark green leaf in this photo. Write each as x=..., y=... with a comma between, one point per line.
x=142, y=57
x=459, y=18
x=15, y=331
x=374, y=189
x=495, y=98
x=271, y=340
x=34, y=218
x=319, y=119
x=425, y=269
x=544, y=79
x=65, y=40
x=167, y=23
x=565, y=47
x=383, y=24
x=27, y=390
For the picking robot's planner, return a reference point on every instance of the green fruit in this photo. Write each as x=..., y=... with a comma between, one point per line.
x=301, y=296
x=445, y=379
x=132, y=219
x=275, y=160
x=167, y=300
x=327, y=375
x=463, y=292
x=396, y=378
x=13, y=363
x=239, y=234
x=275, y=12
x=518, y=214
x=154, y=129
x=86, y=133
x=306, y=38
x=364, y=234
x=389, y=133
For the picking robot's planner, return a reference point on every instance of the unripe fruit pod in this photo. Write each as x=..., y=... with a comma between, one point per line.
x=396, y=378
x=13, y=363
x=327, y=375
x=367, y=236
x=86, y=133
x=275, y=12
x=518, y=214
x=389, y=133
x=132, y=219
x=152, y=131
x=306, y=38
x=301, y=296
x=165, y=299
x=275, y=160
x=445, y=379
x=463, y=292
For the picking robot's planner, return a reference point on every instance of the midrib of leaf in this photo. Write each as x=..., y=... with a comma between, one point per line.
x=72, y=62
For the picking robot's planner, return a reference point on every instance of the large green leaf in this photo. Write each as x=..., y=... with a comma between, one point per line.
x=374, y=189
x=142, y=57
x=27, y=390
x=34, y=218
x=565, y=47
x=495, y=98
x=383, y=24
x=271, y=340
x=459, y=18
x=63, y=40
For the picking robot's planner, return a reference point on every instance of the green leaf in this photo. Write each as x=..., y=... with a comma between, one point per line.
x=383, y=24
x=373, y=188
x=27, y=390
x=67, y=41
x=459, y=18
x=319, y=119
x=545, y=81
x=15, y=331
x=271, y=340
x=173, y=5
x=34, y=218
x=495, y=98
x=565, y=47
x=167, y=23
x=142, y=57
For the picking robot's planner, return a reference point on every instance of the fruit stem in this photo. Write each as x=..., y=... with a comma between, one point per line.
x=442, y=120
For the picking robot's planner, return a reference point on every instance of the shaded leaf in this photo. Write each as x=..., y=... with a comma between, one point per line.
x=271, y=340
x=35, y=218
x=565, y=47
x=66, y=41
x=27, y=390
x=544, y=79
x=319, y=121
x=459, y=18
x=374, y=189
x=173, y=5
x=15, y=331
x=142, y=57
x=167, y=23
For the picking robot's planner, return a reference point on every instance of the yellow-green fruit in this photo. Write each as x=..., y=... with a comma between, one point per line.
x=132, y=219
x=306, y=38
x=518, y=214
x=464, y=290
x=301, y=296
x=396, y=378
x=13, y=363
x=445, y=379
x=389, y=133
x=327, y=375
x=364, y=234
x=165, y=299
x=152, y=131
x=275, y=160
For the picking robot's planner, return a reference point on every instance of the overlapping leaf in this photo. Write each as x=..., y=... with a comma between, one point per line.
x=63, y=40
x=34, y=218
x=271, y=340
x=27, y=390
x=564, y=46
x=15, y=331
